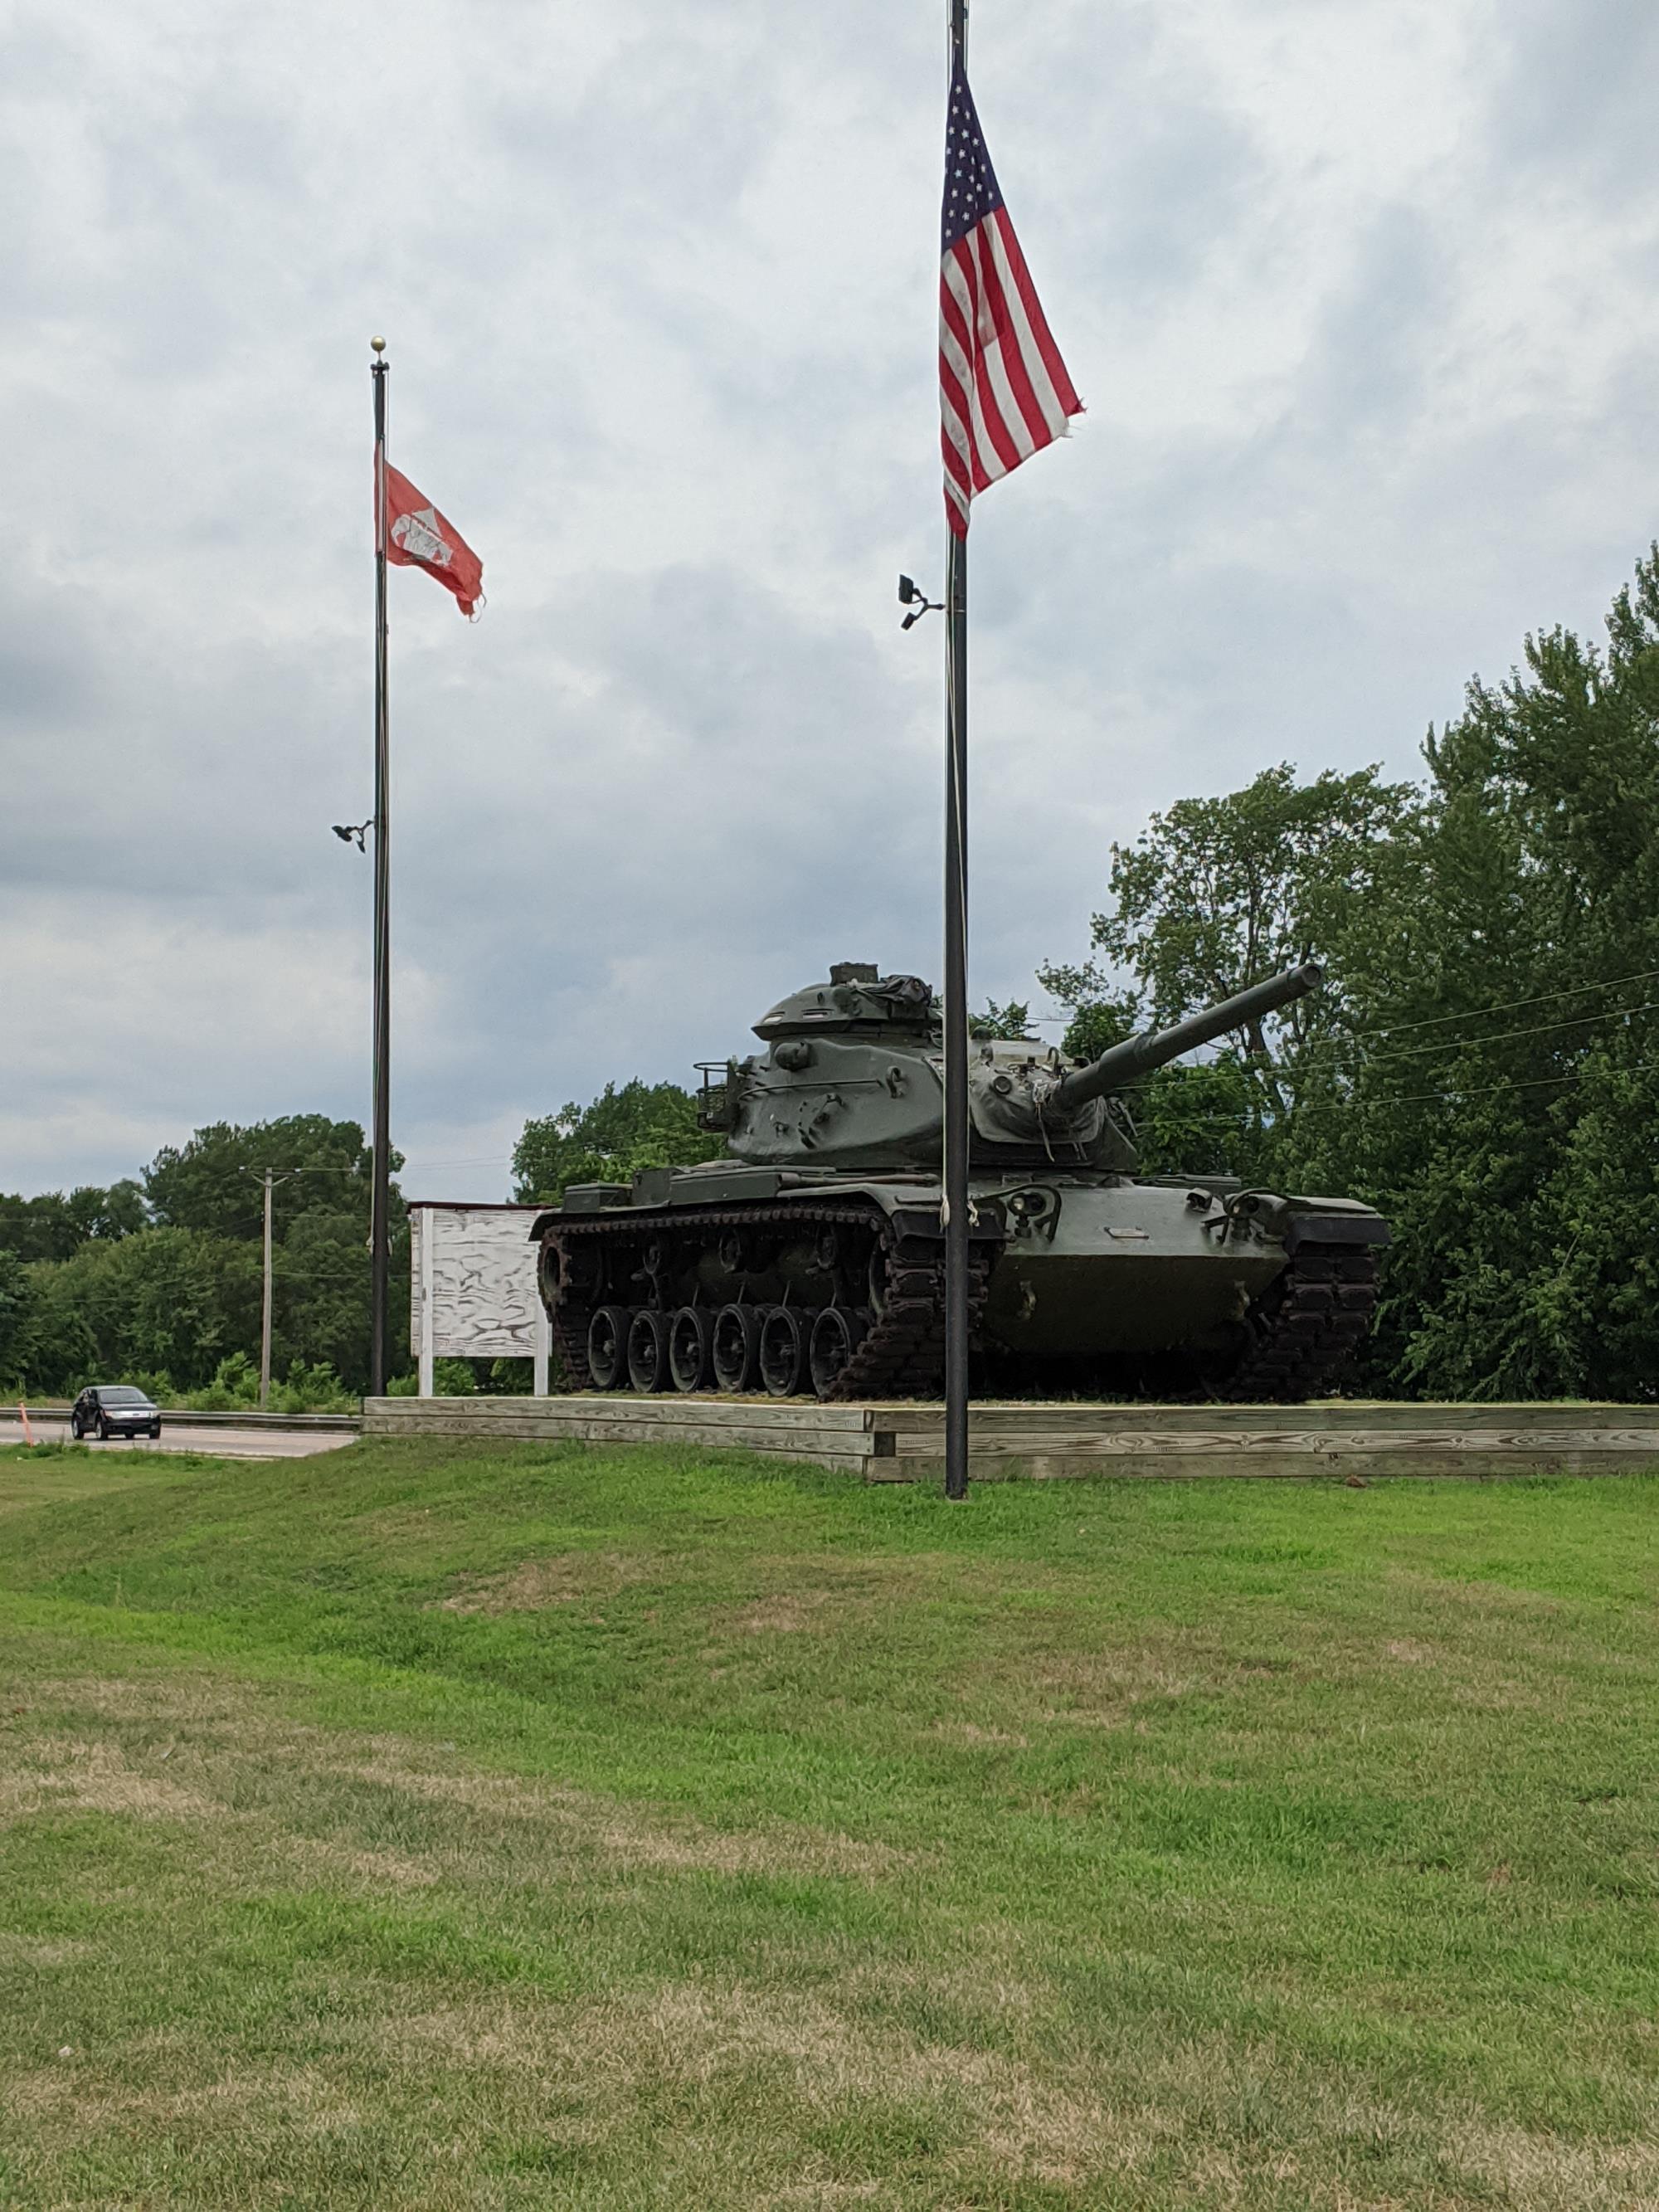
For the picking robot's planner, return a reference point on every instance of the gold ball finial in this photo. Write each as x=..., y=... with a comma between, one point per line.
x=379, y=344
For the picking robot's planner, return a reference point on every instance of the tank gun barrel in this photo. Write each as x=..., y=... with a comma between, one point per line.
x=1138, y=1055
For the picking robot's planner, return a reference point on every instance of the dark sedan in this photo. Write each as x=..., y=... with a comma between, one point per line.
x=113, y=1409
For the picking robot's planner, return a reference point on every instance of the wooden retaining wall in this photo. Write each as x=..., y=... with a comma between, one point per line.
x=903, y=1441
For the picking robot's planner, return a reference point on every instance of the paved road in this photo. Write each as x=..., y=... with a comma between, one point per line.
x=178, y=1437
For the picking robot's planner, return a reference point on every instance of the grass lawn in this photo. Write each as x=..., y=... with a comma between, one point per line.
x=439, y=1825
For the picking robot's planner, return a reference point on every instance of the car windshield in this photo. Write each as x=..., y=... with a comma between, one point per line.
x=121, y=1394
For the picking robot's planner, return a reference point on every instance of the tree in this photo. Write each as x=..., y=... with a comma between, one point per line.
x=214, y=1182
x=52, y=1226
x=1217, y=893
x=172, y=1300
x=642, y=1125
x=111, y=1292
x=1011, y=1022
x=319, y=1297
x=16, y=1299
x=1220, y=892
x=1497, y=1097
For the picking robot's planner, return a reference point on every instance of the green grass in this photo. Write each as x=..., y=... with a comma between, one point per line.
x=437, y=1825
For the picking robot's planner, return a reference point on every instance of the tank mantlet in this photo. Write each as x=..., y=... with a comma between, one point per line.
x=1013, y=1098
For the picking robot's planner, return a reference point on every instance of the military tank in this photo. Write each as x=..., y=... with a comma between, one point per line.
x=810, y=1258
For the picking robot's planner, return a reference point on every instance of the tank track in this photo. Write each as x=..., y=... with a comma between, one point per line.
x=1307, y=1326
x=1305, y=1330
x=901, y=1354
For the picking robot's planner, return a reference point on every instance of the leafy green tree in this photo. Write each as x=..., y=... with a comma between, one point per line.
x=52, y=1226
x=15, y=1301
x=642, y=1125
x=1217, y=893
x=173, y=1300
x=319, y=1296
x=1011, y=1022
x=320, y=1228
x=36, y=1228
x=214, y=1182
x=110, y=1294
x=1497, y=1096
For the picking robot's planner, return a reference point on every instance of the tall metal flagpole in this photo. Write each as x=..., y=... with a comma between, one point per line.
x=956, y=976
x=380, y=1203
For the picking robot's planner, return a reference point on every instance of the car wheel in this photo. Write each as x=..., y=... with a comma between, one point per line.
x=155, y=1432
x=103, y=1430
x=75, y=1426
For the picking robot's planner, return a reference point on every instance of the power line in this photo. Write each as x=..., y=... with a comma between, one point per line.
x=1510, y=1005
x=1419, y=1097
x=1335, y=1049
x=1466, y=1014
x=1392, y=1098
x=1499, y=1036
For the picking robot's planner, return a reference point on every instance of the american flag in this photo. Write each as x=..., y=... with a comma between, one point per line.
x=1002, y=386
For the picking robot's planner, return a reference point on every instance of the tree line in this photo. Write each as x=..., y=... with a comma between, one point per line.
x=158, y=1279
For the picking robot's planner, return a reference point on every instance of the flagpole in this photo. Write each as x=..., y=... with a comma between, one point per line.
x=380, y=1203
x=956, y=976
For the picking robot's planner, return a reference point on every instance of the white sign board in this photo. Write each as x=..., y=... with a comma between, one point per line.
x=473, y=1290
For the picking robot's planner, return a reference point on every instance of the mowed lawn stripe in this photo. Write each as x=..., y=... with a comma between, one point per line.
x=438, y=1825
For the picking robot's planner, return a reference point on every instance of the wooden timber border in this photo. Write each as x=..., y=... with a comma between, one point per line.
x=899, y=1441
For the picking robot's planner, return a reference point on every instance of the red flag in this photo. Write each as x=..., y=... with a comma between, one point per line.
x=418, y=537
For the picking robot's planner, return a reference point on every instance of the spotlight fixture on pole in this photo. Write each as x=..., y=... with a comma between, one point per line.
x=911, y=595
x=349, y=831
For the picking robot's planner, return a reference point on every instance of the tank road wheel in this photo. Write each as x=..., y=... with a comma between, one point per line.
x=783, y=1352
x=837, y=1336
x=691, y=1348
x=607, y=1347
x=735, y=1347
x=647, y=1350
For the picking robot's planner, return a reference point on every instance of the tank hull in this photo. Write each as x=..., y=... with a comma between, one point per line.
x=1124, y=1283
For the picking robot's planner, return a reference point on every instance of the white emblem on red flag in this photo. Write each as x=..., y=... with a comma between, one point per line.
x=418, y=537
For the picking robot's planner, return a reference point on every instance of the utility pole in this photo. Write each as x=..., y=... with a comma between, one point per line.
x=270, y=1178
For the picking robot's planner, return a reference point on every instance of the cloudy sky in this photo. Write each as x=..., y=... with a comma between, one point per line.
x=1360, y=293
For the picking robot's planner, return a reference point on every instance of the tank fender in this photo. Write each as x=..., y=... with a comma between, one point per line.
x=1295, y=1221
